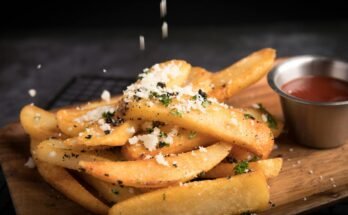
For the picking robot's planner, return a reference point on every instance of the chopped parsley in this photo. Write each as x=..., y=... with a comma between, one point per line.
x=114, y=191
x=175, y=165
x=89, y=136
x=106, y=132
x=165, y=98
x=175, y=112
x=203, y=94
x=108, y=114
x=162, y=134
x=241, y=167
x=271, y=122
x=162, y=144
x=192, y=135
x=248, y=116
x=255, y=158
x=161, y=84
x=149, y=130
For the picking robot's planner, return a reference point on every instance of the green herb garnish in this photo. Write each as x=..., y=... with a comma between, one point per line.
x=255, y=158
x=271, y=122
x=192, y=135
x=175, y=112
x=162, y=144
x=241, y=167
x=114, y=191
x=248, y=116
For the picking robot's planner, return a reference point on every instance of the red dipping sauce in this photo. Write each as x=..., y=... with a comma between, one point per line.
x=317, y=89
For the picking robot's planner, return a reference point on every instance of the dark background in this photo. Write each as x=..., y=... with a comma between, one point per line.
x=73, y=39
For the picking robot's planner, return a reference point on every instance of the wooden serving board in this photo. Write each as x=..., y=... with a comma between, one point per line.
x=310, y=178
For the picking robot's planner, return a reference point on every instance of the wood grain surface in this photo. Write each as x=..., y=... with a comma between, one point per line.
x=310, y=178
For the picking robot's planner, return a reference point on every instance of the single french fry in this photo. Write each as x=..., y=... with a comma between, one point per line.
x=243, y=193
x=113, y=193
x=94, y=136
x=183, y=142
x=65, y=158
x=95, y=104
x=200, y=78
x=149, y=173
x=276, y=126
x=225, y=124
x=62, y=181
x=38, y=123
x=242, y=74
x=270, y=167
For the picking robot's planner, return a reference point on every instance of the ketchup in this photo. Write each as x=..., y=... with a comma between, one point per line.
x=317, y=88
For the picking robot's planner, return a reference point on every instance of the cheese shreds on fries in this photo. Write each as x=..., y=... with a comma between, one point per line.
x=143, y=151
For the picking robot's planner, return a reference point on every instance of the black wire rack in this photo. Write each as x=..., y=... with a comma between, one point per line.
x=82, y=89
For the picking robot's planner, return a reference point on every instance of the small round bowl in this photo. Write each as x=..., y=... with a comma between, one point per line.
x=315, y=124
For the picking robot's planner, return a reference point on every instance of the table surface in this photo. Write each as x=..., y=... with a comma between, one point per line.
x=64, y=53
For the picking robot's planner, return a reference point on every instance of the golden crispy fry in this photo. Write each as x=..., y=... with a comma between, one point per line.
x=242, y=74
x=149, y=173
x=240, y=154
x=270, y=168
x=276, y=128
x=65, y=158
x=94, y=136
x=95, y=104
x=183, y=142
x=113, y=193
x=226, y=124
x=61, y=180
x=38, y=123
x=200, y=78
x=246, y=192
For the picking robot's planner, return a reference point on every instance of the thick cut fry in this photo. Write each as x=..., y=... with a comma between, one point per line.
x=183, y=142
x=240, y=154
x=94, y=136
x=149, y=173
x=61, y=180
x=65, y=158
x=243, y=193
x=200, y=78
x=242, y=74
x=226, y=124
x=113, y=193
x=276, y=128
x=38, y=123
x=270, y=168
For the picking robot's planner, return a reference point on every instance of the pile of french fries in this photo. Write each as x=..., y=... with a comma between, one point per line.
x=168, y=145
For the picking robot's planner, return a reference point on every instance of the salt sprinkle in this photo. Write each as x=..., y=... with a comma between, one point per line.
x=142, y=42
x=32, y=92
x=105, y=96
x=264, y=117
x=164, y=30
x=30, y=163
x=104, y=70
x=202, y=149
x=331, y=179
x=38, y=66
x=256, y=106
x=334, y=185
x=163, y=8
x=305, y=199
x=291, y=150
x=310, y=172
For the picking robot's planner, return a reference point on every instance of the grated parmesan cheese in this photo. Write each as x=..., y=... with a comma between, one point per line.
x=133, y=140
x=256, y=106
x=32, y=92
x=105, y=96
x=141, y=42
x=131, y=130
x=95, y=115
x=264, y=117
x=202, y=149
x=30, y=163
x=164, y=30
x=161, y=160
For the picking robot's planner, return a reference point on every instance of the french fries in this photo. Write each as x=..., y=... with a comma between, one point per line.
x=142, y=151
x=269, y=167
x=183, y=142
x=242, y=74
x=225, y=124
x=61, y=180
x=243, y=193
x=113, y=193
x=173, y=170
